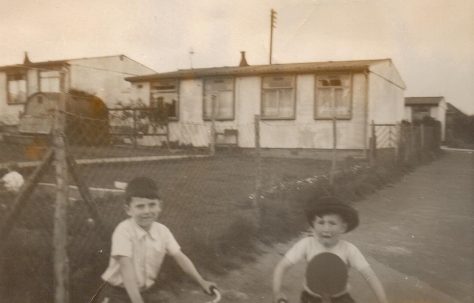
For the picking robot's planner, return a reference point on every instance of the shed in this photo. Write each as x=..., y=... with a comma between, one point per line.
x=86, y=117
x=416, y=108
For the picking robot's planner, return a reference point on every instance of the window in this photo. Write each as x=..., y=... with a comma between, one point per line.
x=222, y=91
x=16, y=86
x=278, y=97
x=164, y=95
x=49, y=81
x=333, y=97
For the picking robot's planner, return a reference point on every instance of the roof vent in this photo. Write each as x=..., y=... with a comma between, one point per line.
x=243, y=61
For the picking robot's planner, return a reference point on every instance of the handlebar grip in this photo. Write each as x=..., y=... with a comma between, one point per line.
x=215, y=292
x=212, y=290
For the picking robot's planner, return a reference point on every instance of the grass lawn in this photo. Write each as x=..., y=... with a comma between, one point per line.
x=207, y=207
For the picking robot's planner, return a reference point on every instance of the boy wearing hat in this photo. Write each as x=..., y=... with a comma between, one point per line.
x=329, y=220
x=139, y=245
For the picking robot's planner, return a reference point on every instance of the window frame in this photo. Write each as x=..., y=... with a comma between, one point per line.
x=40, y=86
x=318, y=76
x=293, y=96
x=24, y=74
x=176, y=90
x=217, y=118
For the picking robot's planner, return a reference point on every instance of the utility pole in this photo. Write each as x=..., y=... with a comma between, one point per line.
x=273, y=14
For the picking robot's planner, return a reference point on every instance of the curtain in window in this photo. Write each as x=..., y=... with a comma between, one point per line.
x=333, y=97
x=278, y=97
x=50, y=81
x=223, y=92
x=17, y=89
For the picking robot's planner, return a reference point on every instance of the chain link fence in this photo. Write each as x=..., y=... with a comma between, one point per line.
x=404, y=143
x=214, y=202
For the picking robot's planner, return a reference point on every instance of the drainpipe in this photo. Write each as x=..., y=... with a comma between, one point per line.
x=366, y=112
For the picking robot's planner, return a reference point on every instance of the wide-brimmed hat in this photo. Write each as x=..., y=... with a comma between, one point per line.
x=331, y=205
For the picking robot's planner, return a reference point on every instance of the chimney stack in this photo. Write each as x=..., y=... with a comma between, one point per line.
x=26, y=60
x=243, y=61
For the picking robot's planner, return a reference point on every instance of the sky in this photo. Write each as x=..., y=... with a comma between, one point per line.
x=431, y=42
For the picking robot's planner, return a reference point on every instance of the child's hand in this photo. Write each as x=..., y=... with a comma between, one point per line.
x=280, y=298
x=208, y=287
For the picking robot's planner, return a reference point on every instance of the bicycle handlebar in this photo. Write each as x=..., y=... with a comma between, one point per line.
x=216, y=293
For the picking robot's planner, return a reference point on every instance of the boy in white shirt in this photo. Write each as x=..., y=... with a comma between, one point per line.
x=139, y=245
x=329, y=219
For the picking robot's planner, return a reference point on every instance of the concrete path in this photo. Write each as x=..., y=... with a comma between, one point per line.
x=423, y=228
x=417, y=234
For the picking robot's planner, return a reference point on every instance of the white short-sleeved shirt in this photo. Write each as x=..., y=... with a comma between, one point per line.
x=307, y=248
x=12, y=181
x=147, y=250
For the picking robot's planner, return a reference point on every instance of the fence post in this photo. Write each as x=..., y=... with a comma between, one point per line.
x=438, y=133
x=87, y=197
x=212, y=143
x=407, y=144
x=332, y=173
x=258, y=177
x=61, y=263
x=422, y=137
x=397, y=142
x=373, y=145
x=411, y=142
x=167, y=128
x=134, y=135
x=390, y=139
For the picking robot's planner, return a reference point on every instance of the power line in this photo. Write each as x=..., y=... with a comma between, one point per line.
x=104, y=69
x=26, y=66
x=32, y=68
x=386, y=79
x=302, y=23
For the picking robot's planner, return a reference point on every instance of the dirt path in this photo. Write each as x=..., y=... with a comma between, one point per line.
x=417, y=235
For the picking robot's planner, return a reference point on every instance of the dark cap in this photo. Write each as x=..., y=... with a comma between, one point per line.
x=142, y=187
x=332, y=205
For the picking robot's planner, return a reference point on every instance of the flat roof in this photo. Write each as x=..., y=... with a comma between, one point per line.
x=423, y=100
x=50, y=63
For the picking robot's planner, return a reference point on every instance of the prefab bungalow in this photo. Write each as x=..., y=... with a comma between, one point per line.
x=100, y=76
x=296, y=103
